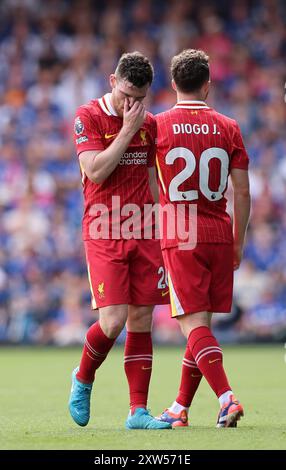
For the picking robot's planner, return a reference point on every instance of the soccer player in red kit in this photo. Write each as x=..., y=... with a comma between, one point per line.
x=197, y=150
x=115, y=141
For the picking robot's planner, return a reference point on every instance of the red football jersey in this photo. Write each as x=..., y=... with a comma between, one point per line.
x=96, y=126
x=196, y=149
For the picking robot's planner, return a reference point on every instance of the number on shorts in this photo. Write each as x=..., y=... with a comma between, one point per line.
x=163, y=281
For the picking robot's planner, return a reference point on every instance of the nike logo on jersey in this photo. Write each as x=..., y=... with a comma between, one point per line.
x=165, y=293
x=146, y=368
x=109, y=136
x=214, y=360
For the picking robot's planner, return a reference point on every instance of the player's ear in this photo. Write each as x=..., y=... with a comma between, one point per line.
x=112, y=80
x=174, y=86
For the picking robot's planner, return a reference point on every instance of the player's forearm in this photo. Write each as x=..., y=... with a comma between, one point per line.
x=241, y=212
x=107, y=160
x=155, y=191
x=153, y=184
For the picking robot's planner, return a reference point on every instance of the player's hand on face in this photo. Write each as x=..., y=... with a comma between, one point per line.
x=133, y=117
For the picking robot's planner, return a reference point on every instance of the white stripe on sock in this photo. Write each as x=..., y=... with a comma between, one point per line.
x=138, y=355
x=187, y=360
x=93, y=351
x=189, y=365
x=139, y=359
x=206, y=349
x=209, y=352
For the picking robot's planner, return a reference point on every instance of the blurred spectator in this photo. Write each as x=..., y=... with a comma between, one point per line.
x=55, y=56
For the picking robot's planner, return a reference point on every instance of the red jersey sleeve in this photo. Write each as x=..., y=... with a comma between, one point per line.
x=87, y=134
x=152, y=154
x=239, y=157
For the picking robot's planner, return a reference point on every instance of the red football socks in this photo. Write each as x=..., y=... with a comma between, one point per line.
x=96, y=347
x=208, y=357
x=138, y=357
x=190, y=380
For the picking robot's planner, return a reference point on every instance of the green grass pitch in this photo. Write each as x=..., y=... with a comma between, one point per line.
x=35, y=386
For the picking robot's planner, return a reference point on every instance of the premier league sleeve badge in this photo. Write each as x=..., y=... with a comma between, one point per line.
x=78, y=126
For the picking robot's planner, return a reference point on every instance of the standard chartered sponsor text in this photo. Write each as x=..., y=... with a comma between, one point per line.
x=134, y=158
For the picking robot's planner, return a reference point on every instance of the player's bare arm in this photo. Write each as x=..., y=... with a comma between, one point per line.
x=241, y=211
x=98, y=165
x=153, y=183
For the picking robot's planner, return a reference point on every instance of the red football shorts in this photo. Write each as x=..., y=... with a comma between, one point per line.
x=126, y=272
x=200, y=279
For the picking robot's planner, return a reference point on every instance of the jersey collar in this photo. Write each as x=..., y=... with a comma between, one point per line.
x=106, y=106
x=189, y=104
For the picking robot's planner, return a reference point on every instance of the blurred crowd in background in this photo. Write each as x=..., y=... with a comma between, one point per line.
x=56, y=55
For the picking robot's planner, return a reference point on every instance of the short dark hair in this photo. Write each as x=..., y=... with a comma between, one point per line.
x=135, y=68
x=190, y=70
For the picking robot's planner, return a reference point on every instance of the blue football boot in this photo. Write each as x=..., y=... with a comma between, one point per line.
x=141, y=419
x=79, y=402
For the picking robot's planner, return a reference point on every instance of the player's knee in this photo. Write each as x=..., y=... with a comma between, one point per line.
x=140, y=319
x=190, y=322
x=113, y=327
x=112, y=320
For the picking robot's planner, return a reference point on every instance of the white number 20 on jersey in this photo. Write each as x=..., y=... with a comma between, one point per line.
x=190, y=159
